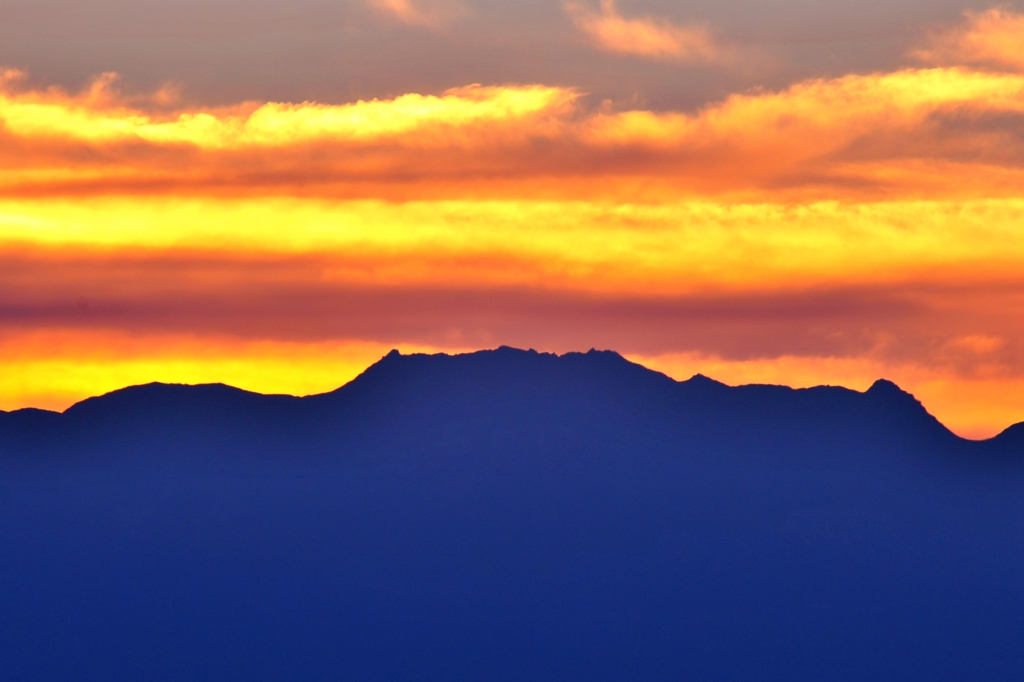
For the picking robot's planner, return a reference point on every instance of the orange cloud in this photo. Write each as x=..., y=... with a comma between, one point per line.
x=994, y=37
x=645, y=37
x=430, y=14
x=842, y=135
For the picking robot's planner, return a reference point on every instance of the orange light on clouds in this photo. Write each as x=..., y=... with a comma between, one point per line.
x=992, y=37
x=422, y=120
x=645, y=37
x=857, y=137
x=433, y=15
x=836, y=230
x=663, y=249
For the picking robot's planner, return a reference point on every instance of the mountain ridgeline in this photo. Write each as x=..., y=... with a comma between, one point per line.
x=579, y=399
x=508, y=515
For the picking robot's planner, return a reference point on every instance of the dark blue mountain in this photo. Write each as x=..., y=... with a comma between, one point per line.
x=508, y=515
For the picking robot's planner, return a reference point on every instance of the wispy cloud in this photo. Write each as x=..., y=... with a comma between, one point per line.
x=993, y=38
x=646, y=37
x=433, y=14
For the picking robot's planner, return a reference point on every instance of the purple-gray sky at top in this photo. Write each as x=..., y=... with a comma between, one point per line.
x=224, y=51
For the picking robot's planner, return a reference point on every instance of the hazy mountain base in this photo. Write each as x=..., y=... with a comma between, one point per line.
x=508, y=515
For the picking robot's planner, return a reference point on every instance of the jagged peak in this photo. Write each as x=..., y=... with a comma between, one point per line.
x=885, y=386
x=506, y=350
x=702, y=380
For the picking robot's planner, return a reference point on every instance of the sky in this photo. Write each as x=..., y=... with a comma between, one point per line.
x=273, y=195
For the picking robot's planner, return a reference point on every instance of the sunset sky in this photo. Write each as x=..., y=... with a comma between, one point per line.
x=273, y=195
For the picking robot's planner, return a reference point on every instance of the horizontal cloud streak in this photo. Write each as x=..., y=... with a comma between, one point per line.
x=927, y=132
x=970, y=327
x=662, y=249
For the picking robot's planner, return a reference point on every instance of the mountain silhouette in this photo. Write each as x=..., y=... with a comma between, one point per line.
x=508, y=515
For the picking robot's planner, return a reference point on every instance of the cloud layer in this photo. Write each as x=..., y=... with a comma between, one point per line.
x=920, y=132
x=832, y=228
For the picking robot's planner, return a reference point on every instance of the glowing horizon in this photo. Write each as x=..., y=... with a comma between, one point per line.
x=311, y=369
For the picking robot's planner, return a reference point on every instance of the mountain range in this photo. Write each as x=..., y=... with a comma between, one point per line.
x=508, y=515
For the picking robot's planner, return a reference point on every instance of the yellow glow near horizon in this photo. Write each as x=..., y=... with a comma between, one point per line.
x=55, y=369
